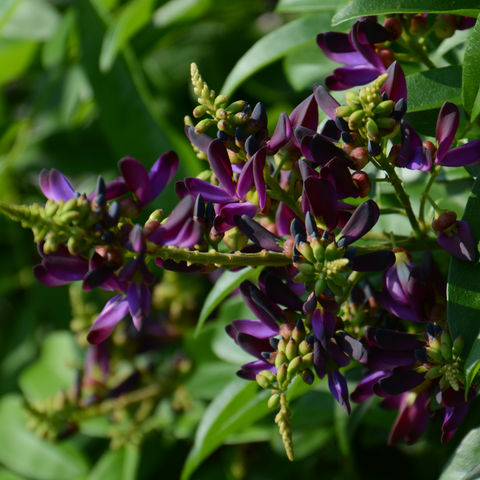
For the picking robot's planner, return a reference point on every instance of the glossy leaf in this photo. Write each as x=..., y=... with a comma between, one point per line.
x=465, y=460
x=54, y=370
x=295, y=6
x=432, y=88
x=23, y=452
x=471, y=74
x=179, y=10
x=7, y=9
x=365, y=8
x=117, y=465
x=15, y=57
x=463, y=293
x=274, y=46
x=132, y=19
x=225, y=285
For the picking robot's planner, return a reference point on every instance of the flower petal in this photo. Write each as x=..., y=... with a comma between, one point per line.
x=162, y=172
x=115, y=309
x=136, y=178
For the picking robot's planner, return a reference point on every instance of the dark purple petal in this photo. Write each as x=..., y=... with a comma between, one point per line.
x=136, y=178
x=138, y=296
x=44, y=182
x=46, y=278
x=344, y=78
x=370, y=32
x=162, y=172
x=116, y=188
x=451, y=398
x=258, y=234
x=463, y=155
x=366, y=50
x=221, y=166
x=325, y=101
x=305, y=115
x=246, y=179
x=319, y=358
x=337, y=172
x=361, y=222
x=396, y=85
x=283, y=219
x=58, y=187
x=63, y=274
x=136, y=239
x=189, y=235
x=278, y=292
x=454, y=416
x=202, y=141
x=254, y=328
x=337, y=47
x=420, y=293
x=390, y=358
x=281, y=135
x=209, y=192
x=115, y=309
x=351, y=347
x=181, y=190
x=447, y=125
x=401, y=382
x=410, y=142
x=258, y=165
x=461, y=243
x=322, y=198
x=252, y=345
x=250, y=370
x=321, y=150
x=374, y=262
x=226, y=220
x=393, y=340
x=97, y=277
x=339, y=389
x=323, y=324
x=63, y=259
x=364, y=389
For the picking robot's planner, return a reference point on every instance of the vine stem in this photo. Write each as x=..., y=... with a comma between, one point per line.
x=279, y=193
x=402, y=195
x=423, y=200
x=416, y=48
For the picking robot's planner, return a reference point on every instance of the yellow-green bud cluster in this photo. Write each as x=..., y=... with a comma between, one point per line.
x=444, y=360
x=367, y=112
x=322, y=265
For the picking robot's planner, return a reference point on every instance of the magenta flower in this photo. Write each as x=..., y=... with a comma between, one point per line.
x=458, y=241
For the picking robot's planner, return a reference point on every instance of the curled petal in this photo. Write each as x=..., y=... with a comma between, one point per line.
x=322, y=198
x=325, y=101
x=221, y=166
x=461, y=243
x=209, y=192
x=250, y=370
x=467, y=154
x=115, y=309
x=305, y=115
x=278, y=292
x=136, y=178
x=393, y=340
x=55, y=186
x=254, y=328
x=344, y=78
x=281, y=135
x=252, y=345
x=447, y=125
x=46, y=278
x=258, y=234
x=337, y=47
x=361, y=222
x=162, y=172
x=351, y=347
x=339, y=389
x=396, y=85
x=323, y=323
x=202, y=141
x=226, y=219
x=364, y=389
x=138, y=296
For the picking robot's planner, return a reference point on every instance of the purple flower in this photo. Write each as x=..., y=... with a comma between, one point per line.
x=458, y=241
x=356, y=50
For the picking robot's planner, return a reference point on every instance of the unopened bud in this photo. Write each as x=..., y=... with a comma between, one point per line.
x=394, y=25
x=237, y=106
x=434, y=372
x=308, y=377
x=355, y=120
x=307, y=360
x=393, y=154
x=362, y=180
x=372, y=129
x=221, y=99
x=282, y=373
x=203, y=125
x=280, y=359
x=444, y=221
x=360, y=157
x=445, y=25
x=305, y=249
x=344, y=111
x=263, y=381
x=458, y=344
x=286, y=330
x=331, y=252
x=318, y=250
x=352, y=100
x=294, y=367
x=320, y=286
x=235, y=240
x=200, y=111
x=274, y=400
x=387, y=56
x=418, y=25
x=291, y=349
x=130, y=208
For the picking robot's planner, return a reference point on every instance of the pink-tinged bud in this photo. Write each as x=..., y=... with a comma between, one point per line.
x=386, y=56
x=362, y=180
x=286, y=330
x=393, y=154
x=430, y=147
x=360, y=157
x=235, y=240
x=130, y=208
x=288, y=247
x=445, y=25
x=395, y=27
x=444, y=221
x=150, y=227
x=418, y=25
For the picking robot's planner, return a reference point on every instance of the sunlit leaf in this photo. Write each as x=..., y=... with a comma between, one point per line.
x=465, y=460
x=179, y=10
x=471, y=74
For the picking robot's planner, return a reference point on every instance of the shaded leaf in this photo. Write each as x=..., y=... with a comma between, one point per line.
x=15, y=58
x=274, y=46
x=290, y=6
x=365, y=8
x=471, y=74
x=225, y=285
x=465, y=459
x=463, y=293
x=179, y=10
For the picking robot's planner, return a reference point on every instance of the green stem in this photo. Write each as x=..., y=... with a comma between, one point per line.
x=467, y=128
x=283, y=158
x=416, y=48
x=277, y=192
x=401, y=194
x=423, y=200
x=388, y=211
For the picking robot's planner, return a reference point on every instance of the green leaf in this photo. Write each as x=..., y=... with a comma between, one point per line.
x=365, y=8
x=23, y=452
x=463, y=293
x=15, y=57
x=226, y=284
x=471, y=74
x=117, y=465
x=179, y=10
x=31, y=20
x=237, y=406
x=291, y=6
x=463, y=464
x=54, y=370
x=132, y=19
x=7, y=7
x=432, y=88
x=276, y=45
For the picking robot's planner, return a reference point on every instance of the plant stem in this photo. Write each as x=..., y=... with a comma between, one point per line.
x=279, y=193
x=423, y=200
x=416, y=48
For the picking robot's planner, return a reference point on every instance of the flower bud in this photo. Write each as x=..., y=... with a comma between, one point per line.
x=394, y=25
x=274, y=400
x=307, y=360
x=282, y=373
x=387, y=56
x=434, y=372
x=294, y=366
x=337, y=290
x=372, y=129
x=445, y=25
x=305, y=249
x=355, y=120
x=200, y=111
x=237, y=106
x=291, y=349
x=318, y=250
x=458, y=344
x=235, y=240
x=305, y=347
x=280, y=359
x=286, y=330
x=344, y=111
x=418, y=25
x=446, y=351
x=362, y=181
x=444, y=220
x=298, y=333
x=331, y=252
x=360, y=157
x=203, y=125
x=352, y=100
x=263, y=381
x=130, y=208
x=308, y=377
x=320, y=286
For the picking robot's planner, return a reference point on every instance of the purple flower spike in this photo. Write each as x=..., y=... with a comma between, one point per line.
x=361, y=222
x=115, y=309
x=396, y=85
x=339, y=389
x=55, y=186
x=459, y=243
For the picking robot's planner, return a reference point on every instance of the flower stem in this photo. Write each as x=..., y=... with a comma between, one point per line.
x=277, y=192
x=423, y=200
x=415, y=47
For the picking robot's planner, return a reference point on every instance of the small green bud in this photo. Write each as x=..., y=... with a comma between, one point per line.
x=318, y=250
x=458, y=346
x=263, y=381
x=372, y=129
x=282, y=373
x=446, y=351
x=50, y=208
x=203, y=125
x=69, y=206
x=331, y=252
x=67, y=217
x=307, y=360
x=280, y=359
x=385, y=107
x=355, y=120
x=435, y=355
x=75, y=245
x=237, y=106
x=386, y=123
x=200, y=111
x=305, y=348
x=338, y=291
x=269, y=375
x=292, y=349
x=340, y=280
x=434, y=372
x=221, y=114
x=351, y=98
x=281, y=346
x=344, y=111
x=294, y=366
x=303, y=278
x=320, y=285
x=308, y=377
x=274, y=401
x=306, y=250
x=223, y=125
x=156, y=215
x=221, y=99
x=307, y=268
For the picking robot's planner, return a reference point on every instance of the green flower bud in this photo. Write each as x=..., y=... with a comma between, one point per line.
x=306, y=250
x=280, y=359
x=303, y=278
x=237, y=106
x=294, y=367
x=307, y=360
x=435, y=355
x=292, y=349
x=223, y=125
x=458, y=346
x=200, y=111
x=156, y=215
x=75, y=245
x=281, y=346
x=338, y=291
x=298, y=335
x=385, y=107
x=305, y=348
x=355, y=120
x=235, y=240
x=203, y=125
x=269, y=375
x=331, y=252
x=318, y=250
x=340, y=280
x=446, y=351
x=351, y=98
x=274, y=401
x=221, y=114
x=67, y=217
x=320, y=285
x=372, y=129
x=50, y=208
x=263, y=381
x=344, y=111
x=307, y=268
x=308, y=377
x=69, y=206
x=434, y=372
x=220, y=99
x=386, y=123
x=282, y=373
